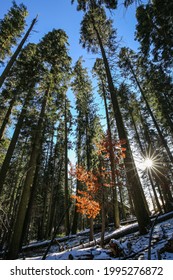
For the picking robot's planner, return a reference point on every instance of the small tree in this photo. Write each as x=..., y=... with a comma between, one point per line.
x=85, y=201
x=92, y=198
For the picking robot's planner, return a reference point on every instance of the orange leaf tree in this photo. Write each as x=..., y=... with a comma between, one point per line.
x=108, y=150
x=87, y=200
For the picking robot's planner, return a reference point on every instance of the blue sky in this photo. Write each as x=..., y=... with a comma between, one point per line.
x=61, y=14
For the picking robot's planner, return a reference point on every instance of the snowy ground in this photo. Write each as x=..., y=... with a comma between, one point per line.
x=133, y=246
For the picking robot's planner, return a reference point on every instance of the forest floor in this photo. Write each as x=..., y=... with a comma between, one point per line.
x=132, y=246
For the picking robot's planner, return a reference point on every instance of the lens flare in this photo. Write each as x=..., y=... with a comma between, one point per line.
x=148, y=163
x=152, y=161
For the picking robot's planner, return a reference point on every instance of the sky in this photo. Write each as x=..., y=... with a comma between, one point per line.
x=62, y=14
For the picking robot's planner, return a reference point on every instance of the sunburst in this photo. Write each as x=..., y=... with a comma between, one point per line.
x=148, y=163
x=152, y=161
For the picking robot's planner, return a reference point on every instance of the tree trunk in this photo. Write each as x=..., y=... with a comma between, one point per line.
x=123, y=208
x=67, y=221
x=158, y=175
x=91, y=236
x=88, y=169
x=16, y=53
x=144, y=153
x=18, y=228
x=103, y=221
x=112, y=160
x=52, y=203
x=31, y=202
x=7, y=116
x=76, y=214
x=150, y=112
x=6, y=163
x=163, y=182
x=131, y=172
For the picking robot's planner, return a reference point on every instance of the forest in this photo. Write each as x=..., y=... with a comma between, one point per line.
x=123, y=168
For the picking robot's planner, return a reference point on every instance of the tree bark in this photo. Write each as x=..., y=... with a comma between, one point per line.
x=150, y=111
x=67, y=220
x=18, y=228
x=131, y=172
x=7, y=116
x=149, y=173
x=112, y=161
x=16, y=53
x=6, y=163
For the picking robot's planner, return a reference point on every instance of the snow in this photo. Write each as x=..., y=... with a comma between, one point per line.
x=133, y=246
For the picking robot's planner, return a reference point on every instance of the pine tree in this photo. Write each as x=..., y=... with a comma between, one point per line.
x=55, y=59
x=9, y=65
x=11, y=28
x=96, y=32
x=154, y=30
x=92, y=4
x=28, y=68
x=82, y=89
x=98, y=69
x=126, y=64
x=133, y=109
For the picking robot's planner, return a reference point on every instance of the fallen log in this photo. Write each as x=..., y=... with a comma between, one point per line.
x=118, y=233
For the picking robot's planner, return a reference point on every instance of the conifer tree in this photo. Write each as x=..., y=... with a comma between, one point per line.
x=11, y=28
x=28, y=68
x=82, y=89
x=98, y=69
x=92, y=4
x=154, y=30
x=9, y=65
x=125, y=62
x=97, y=33
x=55, y=59
x=132, y=110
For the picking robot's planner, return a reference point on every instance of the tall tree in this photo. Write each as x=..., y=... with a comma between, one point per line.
x=160, y=84
x=127, y=64
x=87, y=4
x=18, y=228
x=133, y=113
x=82, y=89
x=97, y=33
x=9, y=65
x=66, y=162
x=28, y=68
x=99, y=70
x=11, y=27
x=154, y=30
x=54, y=55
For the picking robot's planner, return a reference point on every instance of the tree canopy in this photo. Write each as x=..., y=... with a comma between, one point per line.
x=83, y=147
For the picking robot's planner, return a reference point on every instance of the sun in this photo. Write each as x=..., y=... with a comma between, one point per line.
x=148, y=163
x=151, y=161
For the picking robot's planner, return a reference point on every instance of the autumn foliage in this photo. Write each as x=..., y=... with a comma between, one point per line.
x=98, y=178
x=107, y=145
x=85, y=202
